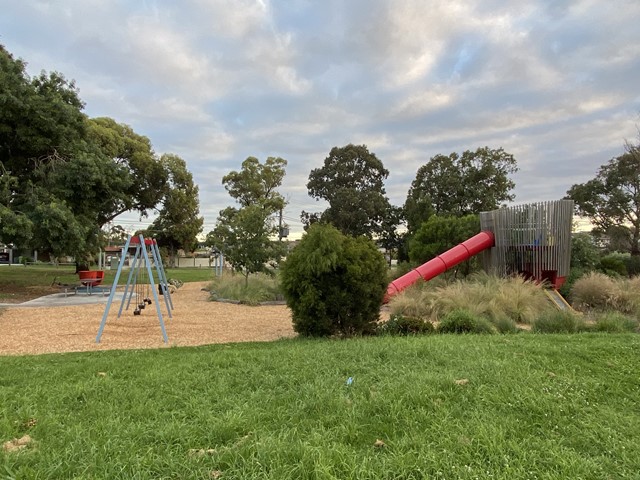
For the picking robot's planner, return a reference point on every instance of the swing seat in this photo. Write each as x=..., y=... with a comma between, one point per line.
x=91, y=278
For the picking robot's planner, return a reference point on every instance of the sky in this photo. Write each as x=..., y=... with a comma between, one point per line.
x=553, y=82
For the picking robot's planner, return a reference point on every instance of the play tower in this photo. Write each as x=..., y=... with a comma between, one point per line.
x=532, y=240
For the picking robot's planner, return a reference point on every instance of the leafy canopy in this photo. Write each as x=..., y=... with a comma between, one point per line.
x=257, y=183
x=439, y=234
x=352, y=181
x=179, y=222
x=611, y=200
x=458, y=185
x=64, y=175
x=245, y=235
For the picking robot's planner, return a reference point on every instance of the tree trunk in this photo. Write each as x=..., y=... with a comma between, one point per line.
x=635, y=238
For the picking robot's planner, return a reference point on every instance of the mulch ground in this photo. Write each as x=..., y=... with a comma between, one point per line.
x=196, y=321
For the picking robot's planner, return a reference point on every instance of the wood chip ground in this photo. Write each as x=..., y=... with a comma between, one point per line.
x=196, y=321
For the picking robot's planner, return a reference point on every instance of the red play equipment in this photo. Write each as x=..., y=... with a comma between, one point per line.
x=532, y=240
x=442, y=262
x=91, y=278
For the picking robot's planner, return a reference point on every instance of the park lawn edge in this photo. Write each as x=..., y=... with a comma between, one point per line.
x=446, y=406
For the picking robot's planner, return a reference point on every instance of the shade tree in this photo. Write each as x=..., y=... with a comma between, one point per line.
x=59, y=165
x=178, y=223
x=257, y=183
x=439, y=234
x=351, y=180
x=246, y=235
x=611, y=200
x=460, y=184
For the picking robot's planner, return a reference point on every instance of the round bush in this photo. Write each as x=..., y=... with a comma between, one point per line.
x=399, y=324
x=505, y=325
x=559, y=322
x=333, y=283
x=463, y=321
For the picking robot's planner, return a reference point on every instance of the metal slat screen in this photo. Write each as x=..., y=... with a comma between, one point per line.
x=533, y=240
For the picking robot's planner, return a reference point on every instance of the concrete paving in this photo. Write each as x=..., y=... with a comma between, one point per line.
x=78, y=296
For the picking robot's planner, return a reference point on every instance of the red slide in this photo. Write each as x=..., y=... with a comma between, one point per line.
x=442, y=263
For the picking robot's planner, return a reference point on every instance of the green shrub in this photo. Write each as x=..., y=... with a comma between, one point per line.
x=614, y=322
x=505, y=325
x=632, y=263
x=333, y=283
x=613, y=265
x=559, y=322
x=585, y=254
x=463, y=321
x=403, y=325
x=575, y=274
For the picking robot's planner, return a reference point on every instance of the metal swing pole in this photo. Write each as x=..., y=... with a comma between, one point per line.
x=162, y=276
x=114, y=286
x=155, y=293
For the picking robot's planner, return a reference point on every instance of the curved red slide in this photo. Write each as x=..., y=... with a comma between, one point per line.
x=442, y=263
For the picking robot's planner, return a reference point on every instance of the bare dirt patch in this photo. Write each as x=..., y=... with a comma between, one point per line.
x=196, y=321
x=16, y=444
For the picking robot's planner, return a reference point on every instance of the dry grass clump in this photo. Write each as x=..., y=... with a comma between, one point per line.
x=472, y=297
x=416, y=300
x=412, y=302
x=599, y=292
x=593, y=291
x=503, y=301
x=260, y=288
x=626, y=296
x=520, y=300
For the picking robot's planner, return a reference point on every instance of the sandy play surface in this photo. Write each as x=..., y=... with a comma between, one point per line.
x=196, y=321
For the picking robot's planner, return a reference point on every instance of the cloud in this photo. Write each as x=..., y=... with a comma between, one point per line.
x=215, y=81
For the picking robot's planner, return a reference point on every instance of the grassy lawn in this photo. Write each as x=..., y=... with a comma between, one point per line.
x=502, y=407
x=20, y=283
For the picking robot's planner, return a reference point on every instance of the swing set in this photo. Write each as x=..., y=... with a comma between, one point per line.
x=140, y=283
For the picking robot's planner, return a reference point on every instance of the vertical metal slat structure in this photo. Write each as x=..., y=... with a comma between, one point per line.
x=532, y=240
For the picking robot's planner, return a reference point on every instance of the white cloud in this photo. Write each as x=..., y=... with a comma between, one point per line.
x=424, y=102
x=215, y=81
x=230, y=18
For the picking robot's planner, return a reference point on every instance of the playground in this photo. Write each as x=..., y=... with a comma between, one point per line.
x=531, y=240
x=196, y=321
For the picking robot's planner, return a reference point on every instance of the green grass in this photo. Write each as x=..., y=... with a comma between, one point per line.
x=45, y=275
x=533, y=406
x=259, y=288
